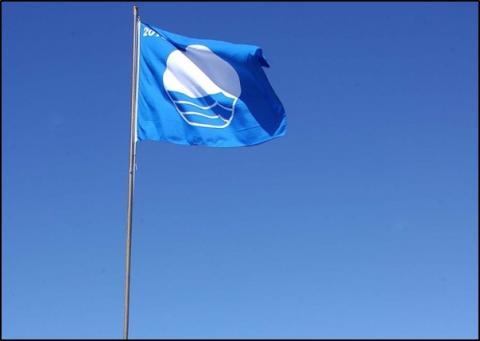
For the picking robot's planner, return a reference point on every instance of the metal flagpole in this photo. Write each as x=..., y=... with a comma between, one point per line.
x=131, y=173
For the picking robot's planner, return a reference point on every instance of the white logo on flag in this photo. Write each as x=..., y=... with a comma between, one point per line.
x=203, y=87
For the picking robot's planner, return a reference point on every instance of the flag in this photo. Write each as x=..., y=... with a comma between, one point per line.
x=204, y=92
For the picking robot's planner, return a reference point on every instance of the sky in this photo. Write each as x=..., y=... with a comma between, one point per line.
x=360, y=222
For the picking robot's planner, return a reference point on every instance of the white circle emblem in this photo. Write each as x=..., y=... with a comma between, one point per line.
x=203, y=87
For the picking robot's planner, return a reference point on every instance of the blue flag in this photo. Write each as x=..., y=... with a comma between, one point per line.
x=204, y=92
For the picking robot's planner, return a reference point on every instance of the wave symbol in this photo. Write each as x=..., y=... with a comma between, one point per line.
x=214, y=111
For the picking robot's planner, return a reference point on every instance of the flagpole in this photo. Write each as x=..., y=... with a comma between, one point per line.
x=131, y=172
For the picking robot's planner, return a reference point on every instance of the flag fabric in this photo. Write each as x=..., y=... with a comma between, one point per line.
x=204, y=92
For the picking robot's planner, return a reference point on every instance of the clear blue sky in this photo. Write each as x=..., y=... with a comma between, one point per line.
x=361, y=222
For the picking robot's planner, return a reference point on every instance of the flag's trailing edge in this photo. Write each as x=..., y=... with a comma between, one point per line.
x=204, y=92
